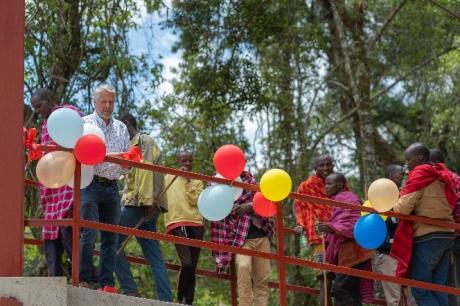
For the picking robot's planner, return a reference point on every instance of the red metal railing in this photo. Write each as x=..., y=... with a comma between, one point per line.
x=280, y=257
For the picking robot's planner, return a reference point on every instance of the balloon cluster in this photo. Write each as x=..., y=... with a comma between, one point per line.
x=371, y=231
x=216, y=201
x=67, y=129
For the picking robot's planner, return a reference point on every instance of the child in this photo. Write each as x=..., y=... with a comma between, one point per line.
x=184, y=220
x=341, y=249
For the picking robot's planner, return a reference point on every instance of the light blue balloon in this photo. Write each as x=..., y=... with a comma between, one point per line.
x=370, y=231
x=216, y=202
x=65, y=126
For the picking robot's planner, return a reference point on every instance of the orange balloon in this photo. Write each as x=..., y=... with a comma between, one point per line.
x=55, y=169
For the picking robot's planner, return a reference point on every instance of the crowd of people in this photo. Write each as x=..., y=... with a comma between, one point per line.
x=420, y=251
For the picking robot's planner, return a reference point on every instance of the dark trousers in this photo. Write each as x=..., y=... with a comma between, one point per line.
x=99, y=202
x=346, y=288
x=188, y=257
x=454, y=273
x=54, y=249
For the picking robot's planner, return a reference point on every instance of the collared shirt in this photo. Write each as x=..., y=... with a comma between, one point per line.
x=117, y=140
x=233, y=230
x=55, y=202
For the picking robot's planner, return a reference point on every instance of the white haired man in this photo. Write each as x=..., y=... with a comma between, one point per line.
x=100, y=201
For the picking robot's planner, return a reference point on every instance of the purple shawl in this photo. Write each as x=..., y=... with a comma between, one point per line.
x=342, y=222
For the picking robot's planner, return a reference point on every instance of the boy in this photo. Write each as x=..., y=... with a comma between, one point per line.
x=184, y=220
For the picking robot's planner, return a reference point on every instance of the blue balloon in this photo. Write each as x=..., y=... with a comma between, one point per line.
x=370, y=231
x=65, y=126
x=216, y=202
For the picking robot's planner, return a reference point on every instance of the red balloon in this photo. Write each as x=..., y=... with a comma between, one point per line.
x=90, y=149
x=262, y=206
x=229, y=161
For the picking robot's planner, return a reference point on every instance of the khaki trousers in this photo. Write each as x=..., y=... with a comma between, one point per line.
x=252, y=274
x=385, y=264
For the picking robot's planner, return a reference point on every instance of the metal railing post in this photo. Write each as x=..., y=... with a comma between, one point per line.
x=280, y=251
x=233, y=284
x=76, y=227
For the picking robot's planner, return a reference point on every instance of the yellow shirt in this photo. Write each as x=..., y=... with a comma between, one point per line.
x=182, y=199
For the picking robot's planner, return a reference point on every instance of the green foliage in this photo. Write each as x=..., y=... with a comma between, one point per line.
x=276, y=66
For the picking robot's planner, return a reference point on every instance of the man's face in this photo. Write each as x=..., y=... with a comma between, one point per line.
x=324, y=167
x=333, y=186
x=104, y=103
x=412, y=159
x=185, y=161
x=43, y=107
x=397, y=177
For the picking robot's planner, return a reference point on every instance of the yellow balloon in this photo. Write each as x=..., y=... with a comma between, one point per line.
x=275, y=185
x=55, y=169
x=383, y=194
x=368, y=204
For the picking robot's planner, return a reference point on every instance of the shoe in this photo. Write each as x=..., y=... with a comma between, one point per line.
x=133, y=294
x=109, y=289
x=88, y=285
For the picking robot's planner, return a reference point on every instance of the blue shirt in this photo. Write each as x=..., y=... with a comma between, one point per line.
x=117, y=140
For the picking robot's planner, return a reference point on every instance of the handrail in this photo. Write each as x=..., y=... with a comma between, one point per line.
x=279, y=256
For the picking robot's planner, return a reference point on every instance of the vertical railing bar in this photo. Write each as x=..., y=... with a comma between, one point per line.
x=76, y=226
x=281, y=256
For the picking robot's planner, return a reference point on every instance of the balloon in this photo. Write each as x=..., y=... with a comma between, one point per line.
x=370, y=231
x=237, y=192
x=91, y=129
x=65, y=126
x=87, y=174
x=275, y=185
x=90, y=150
x=262, y=206
x=383, y=194
x=229, y=161
x=55, y=169
x=216, y=202
x=365, y=213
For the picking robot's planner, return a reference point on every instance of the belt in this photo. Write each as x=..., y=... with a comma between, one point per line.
x=104, y=180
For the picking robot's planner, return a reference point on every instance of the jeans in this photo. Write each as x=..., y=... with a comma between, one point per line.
x=454, y=273
x=430, y=263
x=188, y=257
x=99, y=202
x=54, y=249
x=130, y=216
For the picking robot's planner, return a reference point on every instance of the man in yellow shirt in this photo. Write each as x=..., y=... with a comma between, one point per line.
x=184, y=220
x=142, y=197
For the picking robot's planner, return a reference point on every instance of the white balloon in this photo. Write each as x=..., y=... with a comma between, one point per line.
x=87, y=174
x=237, y=192
x=91, y=129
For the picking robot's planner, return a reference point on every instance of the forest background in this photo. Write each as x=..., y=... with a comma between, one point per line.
x=284, y=79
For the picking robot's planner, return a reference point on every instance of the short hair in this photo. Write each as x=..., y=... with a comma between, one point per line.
x=338, y=176
x=103, y=88
x=322, y=157
x=130, y=119
x=42, y=94
x=420, y=148
x=391, y=169
x=436, y=156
